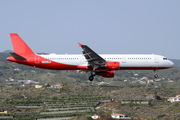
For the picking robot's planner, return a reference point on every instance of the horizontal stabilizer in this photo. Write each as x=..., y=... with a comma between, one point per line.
x=16, y=56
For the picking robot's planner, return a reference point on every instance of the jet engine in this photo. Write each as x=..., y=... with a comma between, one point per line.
x=108, y=74
x=112, y=65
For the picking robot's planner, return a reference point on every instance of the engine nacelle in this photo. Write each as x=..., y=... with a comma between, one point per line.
x=112, y=65
x=108, y=74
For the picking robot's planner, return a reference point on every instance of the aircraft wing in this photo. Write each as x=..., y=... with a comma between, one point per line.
x=93, y=58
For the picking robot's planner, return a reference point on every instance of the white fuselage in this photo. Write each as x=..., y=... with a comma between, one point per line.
x=127, y=61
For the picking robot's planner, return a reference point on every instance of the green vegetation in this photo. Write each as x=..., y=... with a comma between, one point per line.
x=81, y=103
x=33, y=117
x=80, y=96
x=26, y=102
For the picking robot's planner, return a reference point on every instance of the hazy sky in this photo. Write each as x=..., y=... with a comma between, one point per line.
x=106, y=26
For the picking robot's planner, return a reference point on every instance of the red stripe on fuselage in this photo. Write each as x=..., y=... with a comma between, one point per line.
x=36, y=61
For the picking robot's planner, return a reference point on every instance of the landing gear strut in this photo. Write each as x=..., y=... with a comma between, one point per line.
x=155, y=74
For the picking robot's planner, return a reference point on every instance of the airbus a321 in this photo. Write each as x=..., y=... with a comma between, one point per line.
x=98, y=64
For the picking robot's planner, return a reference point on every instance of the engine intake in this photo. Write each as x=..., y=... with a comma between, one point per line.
x=112, y=65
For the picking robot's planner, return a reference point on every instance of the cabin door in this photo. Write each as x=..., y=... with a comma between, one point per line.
x=124, y=59
x=156, y=59
x=37, y=59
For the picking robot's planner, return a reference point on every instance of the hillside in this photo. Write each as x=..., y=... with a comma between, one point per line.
x=126, y=85
x=10, y=70
x=86, y=98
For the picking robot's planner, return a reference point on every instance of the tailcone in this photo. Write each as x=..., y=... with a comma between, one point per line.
x=12, y=59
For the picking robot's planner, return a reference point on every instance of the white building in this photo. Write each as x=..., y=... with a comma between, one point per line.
x=135, y=74
x=174, y=99
x=26, y=81
x=95, y=117
x=11, y=80
x=58, y=85
x=144, y=78
x=101, y=83
x=115, y=115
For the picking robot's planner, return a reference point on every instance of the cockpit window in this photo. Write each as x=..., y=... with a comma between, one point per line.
x=164, y=58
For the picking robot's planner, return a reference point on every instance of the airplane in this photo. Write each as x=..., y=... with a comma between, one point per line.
x=98, y=64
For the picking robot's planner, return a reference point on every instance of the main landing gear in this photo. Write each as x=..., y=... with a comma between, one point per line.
x=91, y=78
x=155, y=74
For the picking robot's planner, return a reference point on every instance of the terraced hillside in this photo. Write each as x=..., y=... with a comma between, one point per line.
x=55, y=107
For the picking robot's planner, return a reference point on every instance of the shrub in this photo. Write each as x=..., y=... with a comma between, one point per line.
x=54, y=98
x=160, y=116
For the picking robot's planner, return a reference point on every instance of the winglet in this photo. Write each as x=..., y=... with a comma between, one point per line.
x=80, y=44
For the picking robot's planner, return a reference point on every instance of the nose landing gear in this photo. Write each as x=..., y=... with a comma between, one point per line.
x=155, y=74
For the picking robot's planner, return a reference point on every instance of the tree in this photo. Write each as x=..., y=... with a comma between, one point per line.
x=48, y=85
x=64, y=84
x=89, y=118
x=158, y=97
x=54, y=98
x=109, y=118
x=155, y=94
x=99, y=119
x=1, y=74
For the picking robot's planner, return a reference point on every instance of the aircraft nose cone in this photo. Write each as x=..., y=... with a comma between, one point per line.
x=171, y=63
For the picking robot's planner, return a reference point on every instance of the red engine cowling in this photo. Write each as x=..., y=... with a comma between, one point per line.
x=108, y=74
x=113, y=65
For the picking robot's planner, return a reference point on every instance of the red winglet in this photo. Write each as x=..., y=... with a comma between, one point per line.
x=80, y=44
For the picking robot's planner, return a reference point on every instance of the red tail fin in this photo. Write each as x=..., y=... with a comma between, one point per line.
x=20, y=46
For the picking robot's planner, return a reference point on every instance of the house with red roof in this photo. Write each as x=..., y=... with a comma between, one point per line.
x=174, y=99
x=116, y=115
x=58, y=85
x=95, y=117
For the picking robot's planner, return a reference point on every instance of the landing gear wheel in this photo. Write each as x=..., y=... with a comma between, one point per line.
x=91, y=78
x=155, y=75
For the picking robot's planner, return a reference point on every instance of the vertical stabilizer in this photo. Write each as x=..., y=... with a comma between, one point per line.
x=20, y=46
